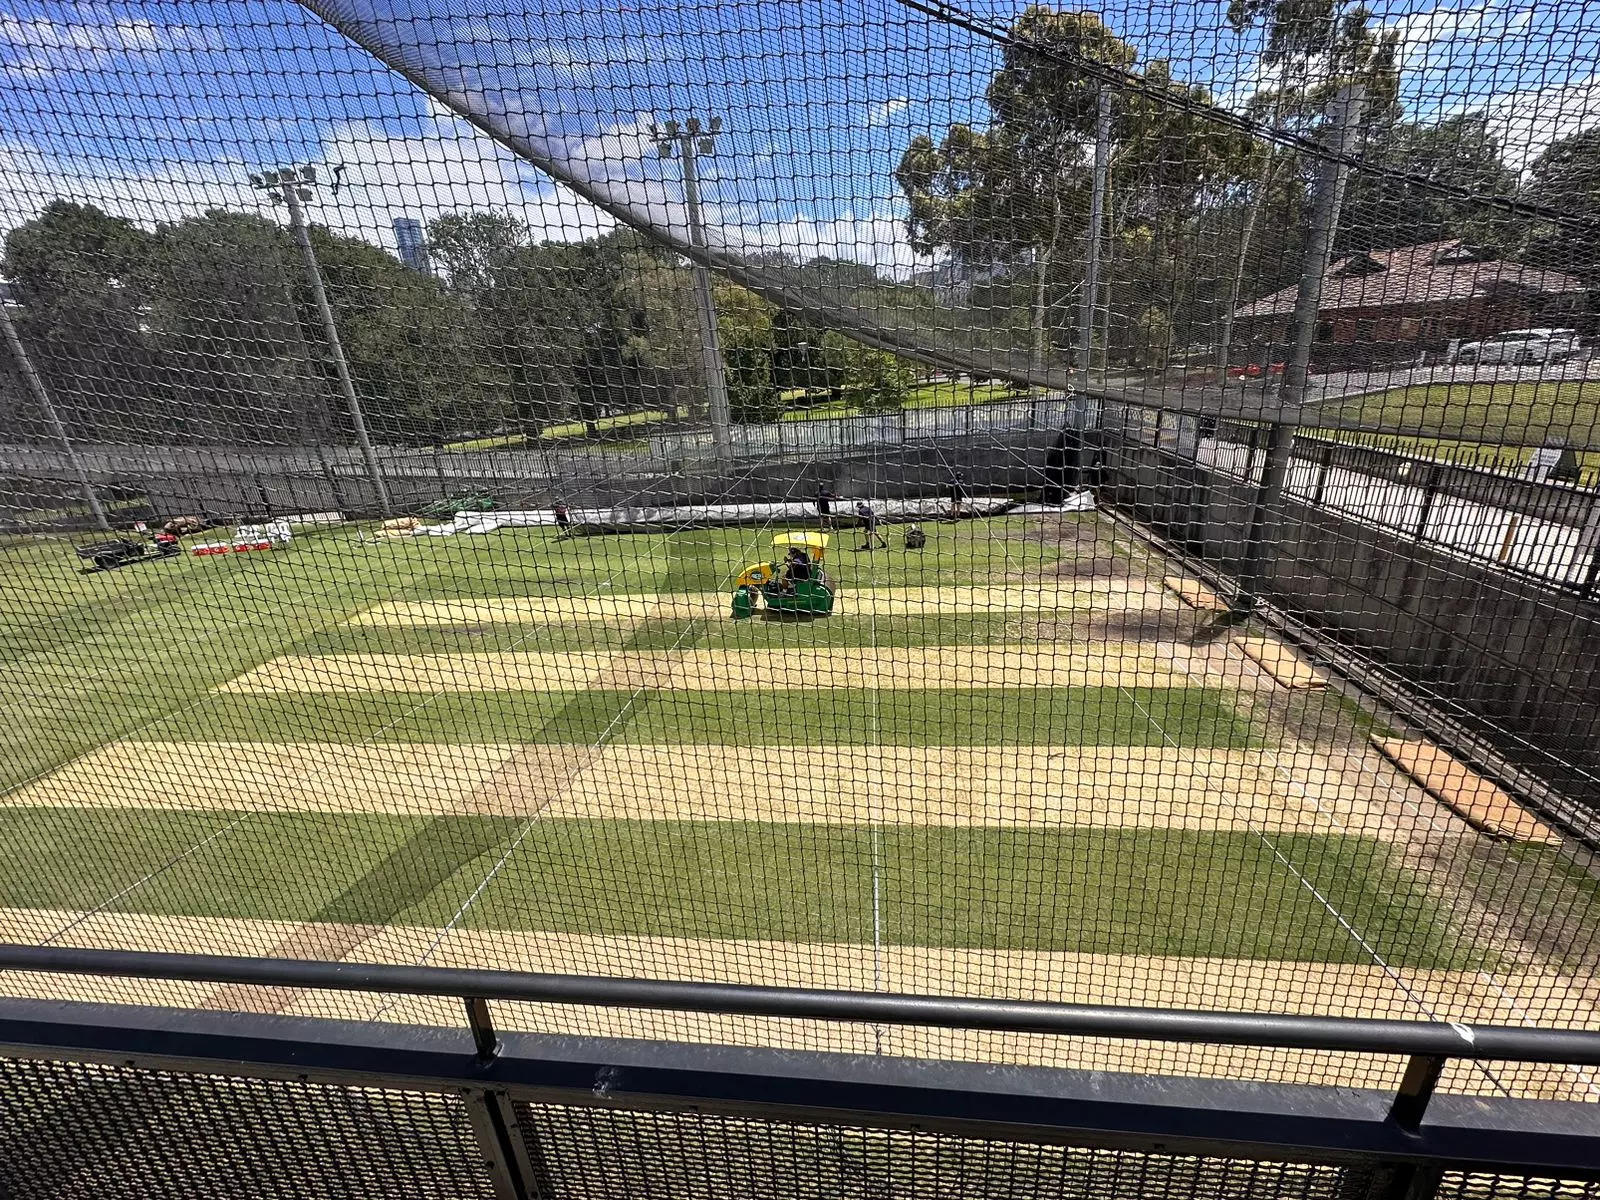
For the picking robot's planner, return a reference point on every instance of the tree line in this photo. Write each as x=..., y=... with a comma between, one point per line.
x=1201, y=216
x=204, y=330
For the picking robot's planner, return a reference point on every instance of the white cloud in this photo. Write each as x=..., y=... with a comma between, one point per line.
x=447, y=166
x=147, y=195
x=882, y=114
x=601, y=55
x=1420, y=31
x=877, y=239
x=38, y=46
x=1527, y=122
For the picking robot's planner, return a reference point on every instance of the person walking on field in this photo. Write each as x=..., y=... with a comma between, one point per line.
x=869, y=523
x=958, y=495
x=825, y=500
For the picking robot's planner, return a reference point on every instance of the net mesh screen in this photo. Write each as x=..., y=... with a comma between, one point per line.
x=80, y=1130
x=998, y=501
x=584, y=1152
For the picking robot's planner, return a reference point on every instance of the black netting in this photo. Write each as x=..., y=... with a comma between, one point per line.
x=1008, y=501
x=78, y=1130
x=582, y=1153
x=1459, y=1186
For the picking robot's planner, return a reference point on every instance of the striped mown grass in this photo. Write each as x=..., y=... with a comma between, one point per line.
x=884, y=602
x=949, y=668
x=1170, y=892
x=1039, y=786
x=661, y=634
x=1106, y=716
x=94, y=658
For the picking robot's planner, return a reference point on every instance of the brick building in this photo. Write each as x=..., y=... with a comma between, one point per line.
x=1392, y=305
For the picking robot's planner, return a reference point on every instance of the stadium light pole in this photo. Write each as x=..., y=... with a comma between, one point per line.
x=685, y=143
x=292, y=186
x=1089, y=301
x=41, y=397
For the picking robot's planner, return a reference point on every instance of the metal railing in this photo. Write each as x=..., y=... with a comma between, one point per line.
x=153, y=1100
x=1546, y=530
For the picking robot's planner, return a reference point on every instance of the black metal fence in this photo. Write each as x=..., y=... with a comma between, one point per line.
x=113, y=1101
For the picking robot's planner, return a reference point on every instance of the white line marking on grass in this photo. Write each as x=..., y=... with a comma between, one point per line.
x=1436, y=821
x=137, y=884
x=600, y=740
x=204, y=697
x=209, y=838
x=243, y=817
x=1356, y=935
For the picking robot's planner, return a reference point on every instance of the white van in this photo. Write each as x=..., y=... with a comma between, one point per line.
x=1519, y=347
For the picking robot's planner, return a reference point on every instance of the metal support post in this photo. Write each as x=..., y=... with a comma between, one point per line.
x=1589, y=543
x=330, y=331
x=1097, y=209
x=685, y=144
x=484, y=1038
x=1323, y=470
x=1344, y=124
x=1417, y=1086
x=1430, y=494
x=506, y=1155
x=41, y=397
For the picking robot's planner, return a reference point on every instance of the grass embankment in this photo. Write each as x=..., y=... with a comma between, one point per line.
x=563, y=432
x=1490, y=425
x=943, y=394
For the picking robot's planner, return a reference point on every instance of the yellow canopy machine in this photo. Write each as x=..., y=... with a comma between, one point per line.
x=794, y=582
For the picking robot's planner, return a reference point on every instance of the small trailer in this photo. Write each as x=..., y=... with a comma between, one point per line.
x=121, y=552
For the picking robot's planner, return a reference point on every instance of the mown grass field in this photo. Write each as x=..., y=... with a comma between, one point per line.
x=941, y=394
x=1490, y=425
x=136, y=656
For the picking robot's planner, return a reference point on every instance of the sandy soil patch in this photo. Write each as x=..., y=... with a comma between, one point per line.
x=1281, y=663
x=423, y=779
x=1195, y=594
x=1109, y=664
x=883, y=602
x=1477, y=800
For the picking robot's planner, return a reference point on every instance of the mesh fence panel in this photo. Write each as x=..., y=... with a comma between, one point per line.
x=598, y=1152
x=1017, y=502
x=75, y=1129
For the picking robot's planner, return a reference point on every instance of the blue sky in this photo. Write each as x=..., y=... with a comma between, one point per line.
x=159, y=109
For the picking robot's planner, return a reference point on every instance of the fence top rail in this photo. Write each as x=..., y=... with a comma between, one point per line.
x=1359, y=1035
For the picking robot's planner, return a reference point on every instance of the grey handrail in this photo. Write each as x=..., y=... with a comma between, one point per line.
x=1438, y=1039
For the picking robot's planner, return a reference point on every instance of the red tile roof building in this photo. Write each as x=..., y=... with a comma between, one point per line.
x=1388, y=304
